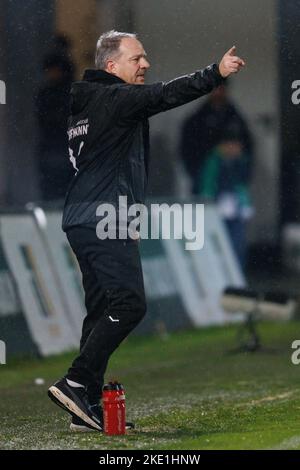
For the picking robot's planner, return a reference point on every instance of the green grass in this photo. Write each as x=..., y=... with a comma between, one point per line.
x=184, y=392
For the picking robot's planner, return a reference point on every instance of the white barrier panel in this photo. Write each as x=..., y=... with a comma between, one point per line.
x=9, y=302
x=203, y=274
x=193, y=296
x=65, y=267
x=41, y=301
x=166, y=310
x=216, y=263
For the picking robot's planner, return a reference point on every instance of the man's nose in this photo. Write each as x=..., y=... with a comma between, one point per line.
x=144, y=63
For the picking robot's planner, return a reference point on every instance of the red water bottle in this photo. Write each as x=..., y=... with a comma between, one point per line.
x=113, y=399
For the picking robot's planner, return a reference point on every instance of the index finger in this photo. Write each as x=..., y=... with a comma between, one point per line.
x=231, y=51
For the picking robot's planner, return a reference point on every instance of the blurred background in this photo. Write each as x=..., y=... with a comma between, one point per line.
x=238, y=149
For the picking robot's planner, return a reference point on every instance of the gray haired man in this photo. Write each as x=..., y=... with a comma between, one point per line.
x=109, y=149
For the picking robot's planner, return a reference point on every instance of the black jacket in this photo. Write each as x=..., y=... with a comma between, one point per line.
x=109, y=136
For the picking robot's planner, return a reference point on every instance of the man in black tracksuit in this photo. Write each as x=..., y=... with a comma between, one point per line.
x=109, y=149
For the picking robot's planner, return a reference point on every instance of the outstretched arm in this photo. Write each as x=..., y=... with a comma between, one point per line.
x=141, y=101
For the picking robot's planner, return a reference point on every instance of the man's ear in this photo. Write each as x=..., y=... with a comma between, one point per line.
x=110, y=67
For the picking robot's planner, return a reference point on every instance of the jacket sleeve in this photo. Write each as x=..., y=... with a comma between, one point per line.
x=142, y=101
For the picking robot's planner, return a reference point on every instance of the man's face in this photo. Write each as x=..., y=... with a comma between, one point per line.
x=131, y=64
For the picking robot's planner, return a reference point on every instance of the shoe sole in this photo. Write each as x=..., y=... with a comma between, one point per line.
x=80, y=428
x=67, y=404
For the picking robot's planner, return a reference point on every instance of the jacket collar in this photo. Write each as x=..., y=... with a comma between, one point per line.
x=92, y=75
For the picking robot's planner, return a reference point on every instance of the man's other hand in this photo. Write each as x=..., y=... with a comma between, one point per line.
x=230, y=63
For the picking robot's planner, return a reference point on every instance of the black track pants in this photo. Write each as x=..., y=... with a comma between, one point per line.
x=114, y=298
